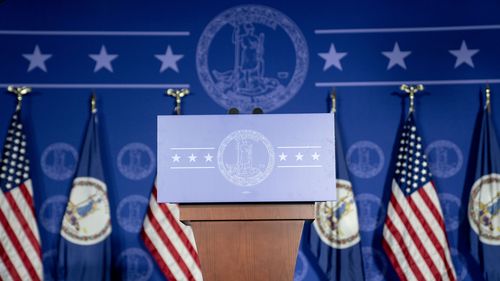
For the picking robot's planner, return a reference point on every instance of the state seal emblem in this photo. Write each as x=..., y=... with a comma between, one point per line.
x=245, y=157
x=337, y=221
x=484, y=209
x=250, y=74
x=86, y=219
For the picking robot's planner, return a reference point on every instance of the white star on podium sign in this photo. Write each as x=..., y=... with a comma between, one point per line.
x=282, y=156
x=332, y=58
x=208, y=157
x=176, y=158
x=37, y=59
x=315, y=156
x=103, y=59
x=396, y=57
x=464, y=55
x=192, y=158
x=299, y=156
x=169, y=60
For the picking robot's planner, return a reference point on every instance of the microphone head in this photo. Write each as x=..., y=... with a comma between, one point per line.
x=257, y=110
x=233, y=110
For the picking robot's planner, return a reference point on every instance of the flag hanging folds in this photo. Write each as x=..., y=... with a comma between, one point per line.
x=334, y=239
x=170, y=242
x=20, y=250
x=85, y=246
x=414, y=235
x=484, y=203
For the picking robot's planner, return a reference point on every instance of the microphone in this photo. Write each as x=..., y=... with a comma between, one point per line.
x=233, y=110
x=257, y=110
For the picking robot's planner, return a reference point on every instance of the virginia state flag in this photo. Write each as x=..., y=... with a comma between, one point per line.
x=85, y=246
x=333, y=237
x=484, y=203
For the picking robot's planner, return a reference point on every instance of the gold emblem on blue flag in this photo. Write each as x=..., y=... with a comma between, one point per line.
x=484, y=209
x=86, y=220
x=337, y=221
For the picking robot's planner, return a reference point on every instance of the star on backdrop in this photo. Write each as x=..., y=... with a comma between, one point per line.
x=169, y=60
x=396, y=57
x=37, y=59
x=464, y=55
x=103, y=59
x=332, y=58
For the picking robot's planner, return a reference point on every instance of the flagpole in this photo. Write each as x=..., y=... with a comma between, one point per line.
x=19, y=92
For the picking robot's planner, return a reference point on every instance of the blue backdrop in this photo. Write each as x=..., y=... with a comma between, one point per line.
x=131, y=51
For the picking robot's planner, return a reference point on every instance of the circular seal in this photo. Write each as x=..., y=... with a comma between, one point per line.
x=374, y=263
x=452, y=210
x=59, y=161
x=136, y=161
x=135, y=265
x=365, y=159
x=86, y=219
x=251, y=74
x=301, y=267
x=484, y=217
x=245, y=157
x=445, y=158
x=460, y=264
x=337, y=221
x=130, y=212
x=51, y=213
x=49, y=260
x=371, y=211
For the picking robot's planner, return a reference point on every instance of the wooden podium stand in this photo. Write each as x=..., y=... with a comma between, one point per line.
x=247, y=241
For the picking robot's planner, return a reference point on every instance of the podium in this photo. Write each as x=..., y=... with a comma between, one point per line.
x=248, y=241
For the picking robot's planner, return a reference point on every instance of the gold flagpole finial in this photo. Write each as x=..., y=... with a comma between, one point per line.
x=178, y=94
x=333, y=97
x=411, y=90
x=93, y=103
x=19, y=92
x=488, y=97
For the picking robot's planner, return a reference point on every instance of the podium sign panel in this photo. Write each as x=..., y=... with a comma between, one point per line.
x=246, y=158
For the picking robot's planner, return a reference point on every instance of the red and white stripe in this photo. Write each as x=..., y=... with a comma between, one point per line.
x=170, y=242
x=20, y=251
x=415, y=236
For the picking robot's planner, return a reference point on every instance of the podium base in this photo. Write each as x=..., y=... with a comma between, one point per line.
x=247, y=242
x=248, y=250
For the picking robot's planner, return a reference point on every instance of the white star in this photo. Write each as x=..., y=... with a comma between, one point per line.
x=176, y=158
x=282, y=156
x=169, y=60
x=299, y=156
x=37, y=59
x=464, y=55
x=315, y=156
x=332, y=58
x=208, y=158
x=396, y=56
x=103, y=59
x=192, y=158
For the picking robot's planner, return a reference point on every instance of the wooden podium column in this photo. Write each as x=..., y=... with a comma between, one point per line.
x=247, y=241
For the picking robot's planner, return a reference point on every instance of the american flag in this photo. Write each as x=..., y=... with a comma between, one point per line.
x=20, y=254
x=170, y=242
x=414, y=236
